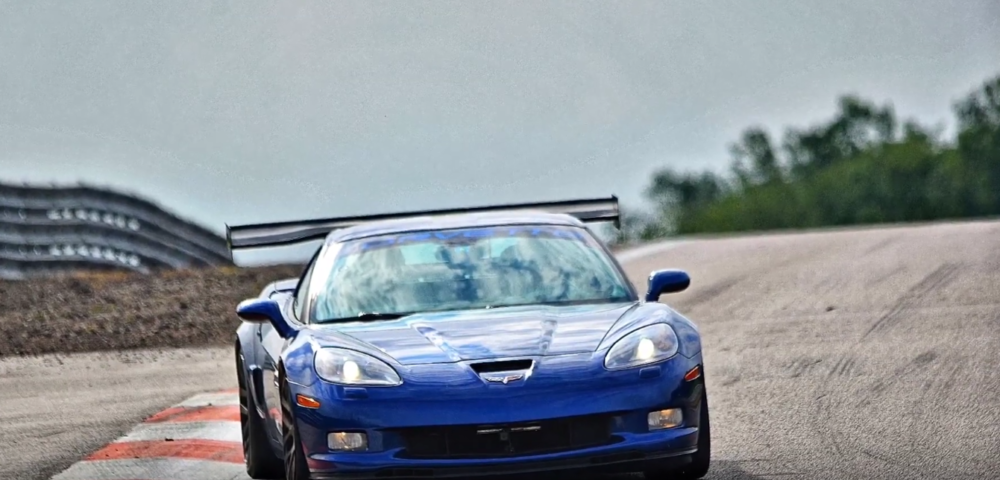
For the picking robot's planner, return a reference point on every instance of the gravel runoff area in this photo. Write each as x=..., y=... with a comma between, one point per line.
x=832, y=355
x=123, y=311
x=126, y=311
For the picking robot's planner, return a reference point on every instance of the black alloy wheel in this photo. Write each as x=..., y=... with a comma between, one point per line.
x=261, y=461
x=296, y=467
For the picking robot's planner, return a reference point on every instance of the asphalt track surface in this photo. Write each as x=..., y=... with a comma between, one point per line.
x=846, y=354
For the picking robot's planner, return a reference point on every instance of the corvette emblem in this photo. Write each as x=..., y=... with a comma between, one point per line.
x=504, y=379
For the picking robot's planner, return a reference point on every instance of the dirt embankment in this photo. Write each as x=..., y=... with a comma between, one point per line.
x=121, y=311
x=125, y=311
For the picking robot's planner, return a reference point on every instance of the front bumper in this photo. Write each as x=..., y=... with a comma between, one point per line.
x=658, y=451
x=579, y=389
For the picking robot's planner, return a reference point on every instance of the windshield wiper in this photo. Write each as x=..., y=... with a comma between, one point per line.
x=565, y=303
x=369, y=316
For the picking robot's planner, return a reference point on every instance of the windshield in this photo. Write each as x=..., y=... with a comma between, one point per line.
x=467, y=269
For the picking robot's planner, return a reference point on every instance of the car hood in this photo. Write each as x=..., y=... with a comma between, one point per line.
x=489, y=333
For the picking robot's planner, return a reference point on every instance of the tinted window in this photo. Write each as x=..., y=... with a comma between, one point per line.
x=468, y=268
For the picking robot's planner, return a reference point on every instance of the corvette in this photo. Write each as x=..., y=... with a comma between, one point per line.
x=460, y=343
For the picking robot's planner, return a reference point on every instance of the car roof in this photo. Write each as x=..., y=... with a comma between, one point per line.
x=448, y=222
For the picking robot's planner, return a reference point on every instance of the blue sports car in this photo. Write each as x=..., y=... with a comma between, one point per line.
x=460, y=343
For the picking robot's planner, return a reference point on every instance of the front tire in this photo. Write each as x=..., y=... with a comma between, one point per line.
x=296, y=467
x=701, y=460
x=261, y=462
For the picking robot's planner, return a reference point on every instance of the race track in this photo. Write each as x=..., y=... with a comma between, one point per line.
x=849, y=354
x=56, y=409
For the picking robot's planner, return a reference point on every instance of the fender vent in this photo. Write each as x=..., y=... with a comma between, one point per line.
x=502, y=366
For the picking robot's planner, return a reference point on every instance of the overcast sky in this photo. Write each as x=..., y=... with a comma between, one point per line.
x=247, y=111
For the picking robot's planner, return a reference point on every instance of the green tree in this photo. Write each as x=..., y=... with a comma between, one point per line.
x=858, y=167
x=756, y=150
x=979, y=146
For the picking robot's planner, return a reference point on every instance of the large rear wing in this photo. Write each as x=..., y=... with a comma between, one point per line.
x=288, y=233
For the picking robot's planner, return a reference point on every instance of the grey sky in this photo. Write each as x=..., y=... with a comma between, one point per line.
x=257, y=111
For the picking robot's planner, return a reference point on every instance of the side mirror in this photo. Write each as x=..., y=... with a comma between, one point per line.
x=666, y=281
x=264, y=310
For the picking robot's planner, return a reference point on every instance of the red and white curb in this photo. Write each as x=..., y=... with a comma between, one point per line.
x=197, y=439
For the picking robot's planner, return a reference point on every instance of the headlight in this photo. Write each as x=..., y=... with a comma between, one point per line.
x=348, y=367
x=644, y=346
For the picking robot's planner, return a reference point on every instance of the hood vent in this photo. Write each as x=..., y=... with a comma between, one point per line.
x=502, y=366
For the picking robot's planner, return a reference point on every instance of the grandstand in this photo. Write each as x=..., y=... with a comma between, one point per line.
x=54, y=229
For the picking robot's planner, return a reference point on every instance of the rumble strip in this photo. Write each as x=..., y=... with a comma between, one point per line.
x=197, y=439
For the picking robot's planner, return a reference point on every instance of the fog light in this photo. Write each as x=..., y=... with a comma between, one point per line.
x=347, y=442
x=662, y=419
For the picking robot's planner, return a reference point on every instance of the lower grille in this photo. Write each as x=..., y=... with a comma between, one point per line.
x=531, y=438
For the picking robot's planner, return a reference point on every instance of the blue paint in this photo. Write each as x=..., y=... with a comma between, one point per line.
x=650, y=372
x=666, y=281
x=355, y=393
x=259, y=310
x=451, y=394
x=434, y=352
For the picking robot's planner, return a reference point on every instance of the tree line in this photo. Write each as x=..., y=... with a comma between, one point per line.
x=862, y=166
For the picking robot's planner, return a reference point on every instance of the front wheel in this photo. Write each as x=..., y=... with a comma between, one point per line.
x=296, y=467
x=701, y=460
x=261, y=461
